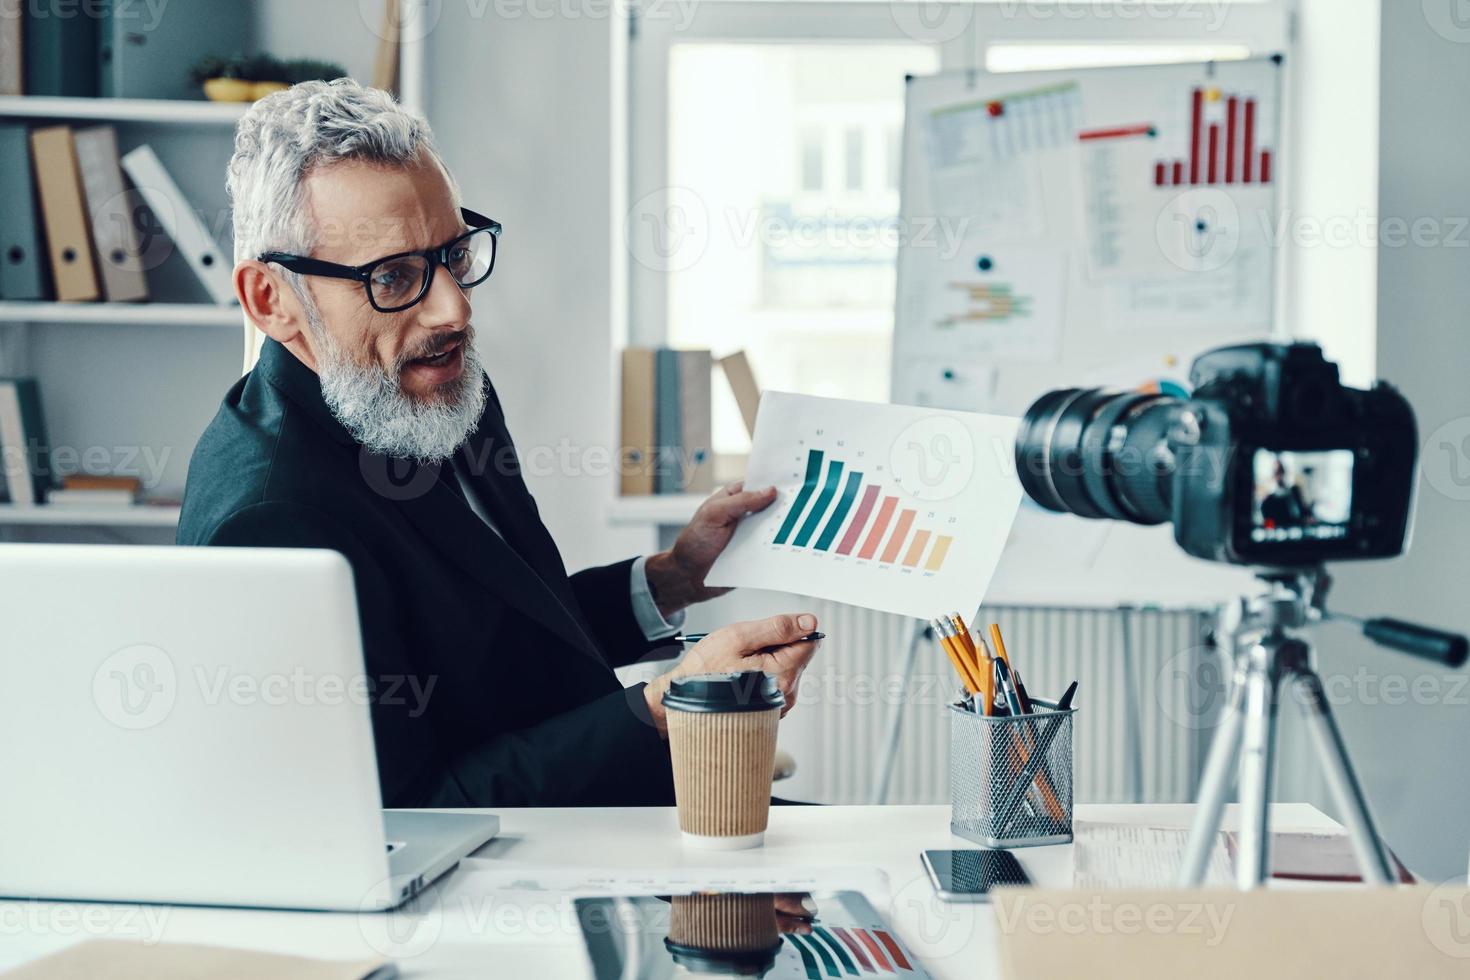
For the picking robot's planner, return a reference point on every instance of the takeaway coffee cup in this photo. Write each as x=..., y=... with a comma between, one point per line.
x=722, y=735
x=723, y=935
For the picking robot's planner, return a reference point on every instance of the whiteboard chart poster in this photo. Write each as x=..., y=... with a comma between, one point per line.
x=904, y=510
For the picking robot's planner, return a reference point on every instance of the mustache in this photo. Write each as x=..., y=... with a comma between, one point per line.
x=435, y=345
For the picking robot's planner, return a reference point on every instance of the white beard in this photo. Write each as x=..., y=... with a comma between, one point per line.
x=373, y=407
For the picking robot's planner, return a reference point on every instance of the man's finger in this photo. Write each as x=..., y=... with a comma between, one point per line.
x=727, y=509
x=777, y=631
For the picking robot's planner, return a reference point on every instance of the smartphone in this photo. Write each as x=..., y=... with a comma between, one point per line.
x=968, y=876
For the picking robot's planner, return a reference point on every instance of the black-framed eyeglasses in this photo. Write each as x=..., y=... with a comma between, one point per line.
x=396, y=282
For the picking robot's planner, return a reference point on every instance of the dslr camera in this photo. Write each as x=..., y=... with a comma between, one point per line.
x=1271, y=462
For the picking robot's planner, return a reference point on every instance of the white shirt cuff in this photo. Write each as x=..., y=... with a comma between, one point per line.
x=645, y=610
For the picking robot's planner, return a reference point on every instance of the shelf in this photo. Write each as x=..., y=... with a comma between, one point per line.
x=147, y=314
x=671, y=509
x=165, y=111
x=139, y=515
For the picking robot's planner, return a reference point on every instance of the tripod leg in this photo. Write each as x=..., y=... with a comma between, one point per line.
x=1257, y=764
x=1214, y=786
x=1341, y=780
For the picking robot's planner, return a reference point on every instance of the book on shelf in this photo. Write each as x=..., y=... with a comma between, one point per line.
x=60, y=51
x=666, y=428
x=112, y=205
x=22, y=266
x=12, y=48
x=25, y=464
x=64, y=498
x=181, y=222
x=64, y=214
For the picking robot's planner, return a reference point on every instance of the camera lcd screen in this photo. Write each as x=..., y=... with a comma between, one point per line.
x=1302, y=496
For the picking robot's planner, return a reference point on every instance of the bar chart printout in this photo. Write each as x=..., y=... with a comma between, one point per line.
x=889, y=507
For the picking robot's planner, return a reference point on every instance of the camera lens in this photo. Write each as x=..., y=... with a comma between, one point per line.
x=1098, y=453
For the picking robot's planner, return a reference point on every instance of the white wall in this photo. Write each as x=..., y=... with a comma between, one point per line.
x=1409, y=723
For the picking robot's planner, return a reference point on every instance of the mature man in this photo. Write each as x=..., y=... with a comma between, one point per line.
x=369, y=427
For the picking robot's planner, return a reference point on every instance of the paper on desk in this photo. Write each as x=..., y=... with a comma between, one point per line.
x=1127, y=856
x=482, y=876
x=102, y=958
x=904, y=510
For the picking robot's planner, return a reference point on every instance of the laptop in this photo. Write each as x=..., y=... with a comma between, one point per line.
x=191, y=726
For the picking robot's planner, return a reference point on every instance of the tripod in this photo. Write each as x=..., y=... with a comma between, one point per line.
x=1268, y=661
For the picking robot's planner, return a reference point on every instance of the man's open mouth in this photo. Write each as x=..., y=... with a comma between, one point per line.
x=441, y=358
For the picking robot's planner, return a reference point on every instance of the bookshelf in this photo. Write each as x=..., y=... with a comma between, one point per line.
x=130, y=384
x=139, y=515
x=159, y=314
x=160, y=111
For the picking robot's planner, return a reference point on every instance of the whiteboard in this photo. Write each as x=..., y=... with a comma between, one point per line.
x=1094, y=228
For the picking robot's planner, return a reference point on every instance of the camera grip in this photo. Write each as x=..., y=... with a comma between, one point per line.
x=1422, y=641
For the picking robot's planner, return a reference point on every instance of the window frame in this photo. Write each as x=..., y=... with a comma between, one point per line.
x=962, y=31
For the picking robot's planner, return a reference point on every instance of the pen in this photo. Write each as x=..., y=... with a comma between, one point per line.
x=696, y=637
x=1005, y=814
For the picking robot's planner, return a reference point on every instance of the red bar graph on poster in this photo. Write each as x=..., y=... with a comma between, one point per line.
x=1222, y=144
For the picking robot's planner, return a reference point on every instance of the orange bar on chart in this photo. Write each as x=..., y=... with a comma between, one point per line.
x=900, y=532
x=916, y=549
x=885, y=514
x=936, y=557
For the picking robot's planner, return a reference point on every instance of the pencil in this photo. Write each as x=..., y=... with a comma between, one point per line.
x=983, y=668
x=955, y=659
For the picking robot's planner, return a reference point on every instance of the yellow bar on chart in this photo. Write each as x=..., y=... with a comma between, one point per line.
x=936, y=556
x=916, y=549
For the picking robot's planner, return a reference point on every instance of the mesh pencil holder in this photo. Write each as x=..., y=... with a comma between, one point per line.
x=1011, y=777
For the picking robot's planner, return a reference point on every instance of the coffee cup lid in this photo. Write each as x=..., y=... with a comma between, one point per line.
x=750, y=690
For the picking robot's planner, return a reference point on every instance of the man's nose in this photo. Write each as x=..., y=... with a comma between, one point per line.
x=446, y=303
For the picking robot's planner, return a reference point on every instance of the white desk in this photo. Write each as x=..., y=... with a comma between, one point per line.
x=456, y=931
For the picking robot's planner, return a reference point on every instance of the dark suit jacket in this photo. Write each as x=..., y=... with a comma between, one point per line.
x=524, y=709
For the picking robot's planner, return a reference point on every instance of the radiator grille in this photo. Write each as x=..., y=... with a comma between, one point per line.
x=838, y=732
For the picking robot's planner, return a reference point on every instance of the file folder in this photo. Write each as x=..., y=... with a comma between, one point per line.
x=22, y=268
x=111, y=203
x=12, y=49
x=181, y=222
x=64, y=214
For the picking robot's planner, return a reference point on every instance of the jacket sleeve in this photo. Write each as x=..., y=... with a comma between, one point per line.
x=607, y=751
x=605, y=595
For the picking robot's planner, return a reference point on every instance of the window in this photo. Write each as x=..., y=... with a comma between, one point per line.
x=769, y=134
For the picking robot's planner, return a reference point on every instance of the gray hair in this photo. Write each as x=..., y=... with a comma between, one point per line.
x=287, y=135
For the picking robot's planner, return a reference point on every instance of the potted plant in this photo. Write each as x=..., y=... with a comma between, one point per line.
x=241, y=78
x=223, y=78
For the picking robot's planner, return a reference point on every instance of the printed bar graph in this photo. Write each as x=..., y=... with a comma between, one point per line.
x=1222, y=148
x=815, y=522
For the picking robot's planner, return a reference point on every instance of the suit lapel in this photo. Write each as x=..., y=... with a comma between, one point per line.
x=458, y=533
x=535, y=585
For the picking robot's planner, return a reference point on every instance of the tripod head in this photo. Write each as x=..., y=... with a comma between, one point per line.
x=1297, y=597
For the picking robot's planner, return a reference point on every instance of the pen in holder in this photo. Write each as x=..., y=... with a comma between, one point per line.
x=1011, y=776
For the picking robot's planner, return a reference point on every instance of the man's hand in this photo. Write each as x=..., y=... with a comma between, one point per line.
x=676, y=576
x=770, y=645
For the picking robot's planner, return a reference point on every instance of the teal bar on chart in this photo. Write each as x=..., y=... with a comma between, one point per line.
x=824, y=500
x=808, y=486
x=834, y=524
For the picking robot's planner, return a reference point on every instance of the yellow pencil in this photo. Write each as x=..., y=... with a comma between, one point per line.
x=957, y=658
x=984, y=669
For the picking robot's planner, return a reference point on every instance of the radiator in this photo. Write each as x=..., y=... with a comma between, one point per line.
x=837, y=731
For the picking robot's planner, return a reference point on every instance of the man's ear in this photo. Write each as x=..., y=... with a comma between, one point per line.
x=269, y=302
